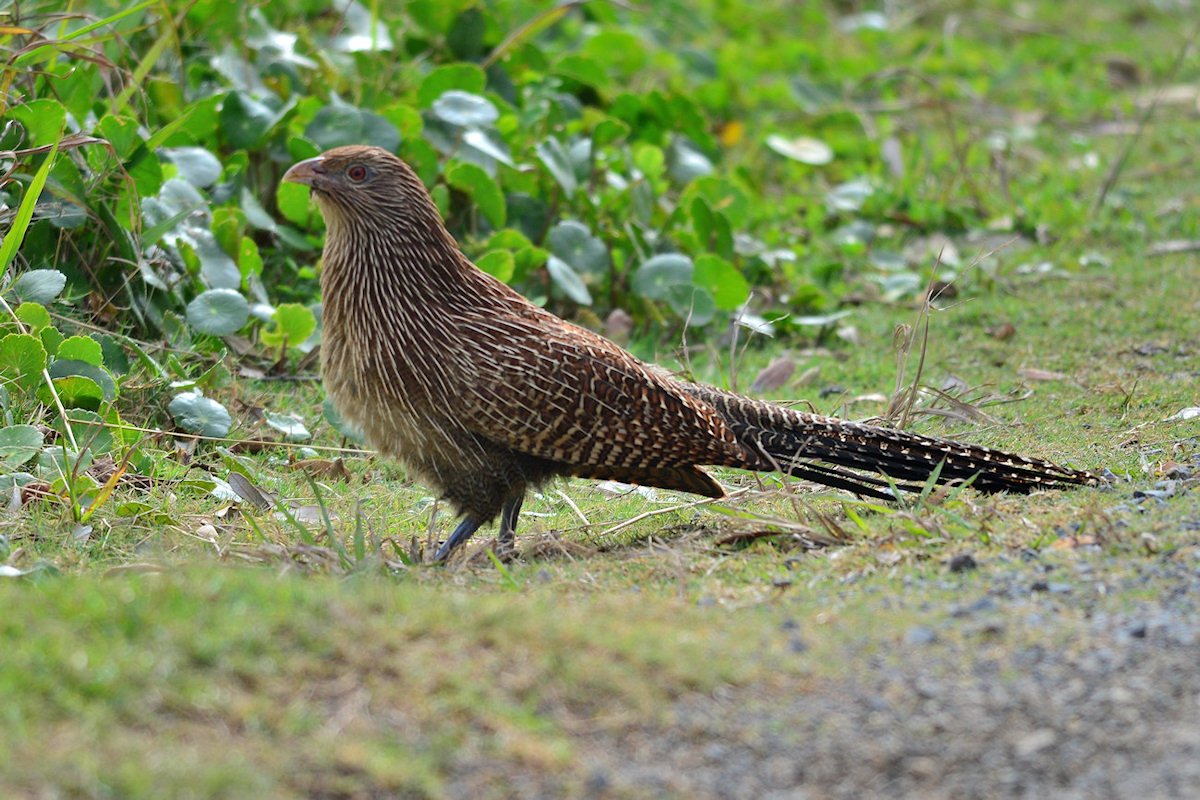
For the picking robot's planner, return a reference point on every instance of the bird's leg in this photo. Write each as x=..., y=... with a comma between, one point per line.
x=506, y=540
x=465, y=530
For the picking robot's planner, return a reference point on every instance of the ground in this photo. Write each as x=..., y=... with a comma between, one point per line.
x=785, y=641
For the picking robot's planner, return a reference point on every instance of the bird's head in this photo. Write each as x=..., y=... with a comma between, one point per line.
x=365, y=183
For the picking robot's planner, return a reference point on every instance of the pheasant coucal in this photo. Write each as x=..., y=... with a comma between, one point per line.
x=483, y=394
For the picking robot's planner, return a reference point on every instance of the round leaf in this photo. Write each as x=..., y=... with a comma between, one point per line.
x=62, y=368
x=245, y=121
x=654, y=279
x=558, y=162
x=22, y=359
x=687, y=162
x=500, y=264
x=568, y=281
x=196, y=165
x=337, y=125
x=39, y=285
x=572, y=242
x=465, y=109
x=481, y=188
x=691, y=303
x=74, y=391
x=218, y=312
x=292, y=323
x=195, y=413
x=849, y=197
x=803, y=149
x=466, y=77
x=729, y=289
x=290, y=425
x=34, y=315
x=81, y=348
x=18, y=444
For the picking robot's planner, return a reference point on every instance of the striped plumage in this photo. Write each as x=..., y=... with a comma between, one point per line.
x=484, y=394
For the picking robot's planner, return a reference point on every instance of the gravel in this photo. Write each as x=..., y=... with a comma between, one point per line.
x=1036, y=682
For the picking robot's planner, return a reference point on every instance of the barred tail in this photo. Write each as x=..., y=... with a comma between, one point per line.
x=855, y=456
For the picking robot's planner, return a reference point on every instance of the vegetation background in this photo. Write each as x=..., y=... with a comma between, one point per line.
x=976, y=219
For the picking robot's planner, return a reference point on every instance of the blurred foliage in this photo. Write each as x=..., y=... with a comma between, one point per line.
x=690, y=164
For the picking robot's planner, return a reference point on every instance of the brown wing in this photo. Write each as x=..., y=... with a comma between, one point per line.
x=559, y=392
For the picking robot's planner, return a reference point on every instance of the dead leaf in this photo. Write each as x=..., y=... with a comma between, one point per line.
x=246, y=490
x=618, y=325
x=1173, y=246
x=774, y=375
x=1191, y=412
x=1035, y=374
x=1122, y=72
x=323, y=467
x=1002, y=332
x=310, y=515
x=1072, y=542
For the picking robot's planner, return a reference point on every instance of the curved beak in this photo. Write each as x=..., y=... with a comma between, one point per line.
x=305, y=171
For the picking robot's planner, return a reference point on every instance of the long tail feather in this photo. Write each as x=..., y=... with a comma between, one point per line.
x=851, y=455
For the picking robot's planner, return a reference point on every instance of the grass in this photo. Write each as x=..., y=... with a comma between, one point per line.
x=187, y=645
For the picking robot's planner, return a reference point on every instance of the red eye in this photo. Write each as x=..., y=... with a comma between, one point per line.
x=357, y=173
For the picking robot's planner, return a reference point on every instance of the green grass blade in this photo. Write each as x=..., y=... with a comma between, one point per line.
x=16, y=234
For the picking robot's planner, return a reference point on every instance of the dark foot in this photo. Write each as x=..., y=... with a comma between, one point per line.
x=464, y=531
x=508, y=525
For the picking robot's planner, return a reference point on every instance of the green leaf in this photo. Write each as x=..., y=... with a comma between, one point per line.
x=464, y=109
x=500, y=264
x=687, y=162
x=42, y=119
x=74, y=391
x=692, y=303
x=249, y=260
x=803, y=149
x=337, y=125
x=290, y=425
x=480, y=187
x=293, y=202
x=244, y=121
x=34, y=315
x=64, y=367
x=218, y=312
x=90, y=432
x=196, y=165
x=216, y=267
x=20, y=224
x=18, y=444
x=81, y=348
x=339, y=423
x=291, y=323
x=195, y=413
x=728, y=287
x=582, y=69
x=654, y=279
x=849, y=197
x=22, y=359
x=465, y=77
x=568, y=281
x=608, y=131
x=39, y=285
x=573, y=242
x=554, y=156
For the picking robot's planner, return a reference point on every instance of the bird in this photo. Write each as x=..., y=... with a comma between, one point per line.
x=484, y=395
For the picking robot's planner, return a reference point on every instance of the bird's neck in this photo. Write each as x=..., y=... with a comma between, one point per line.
x=400, y=261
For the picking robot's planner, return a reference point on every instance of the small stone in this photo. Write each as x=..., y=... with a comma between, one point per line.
x=963, y=562
x=920, y=636
x=1033, y=743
